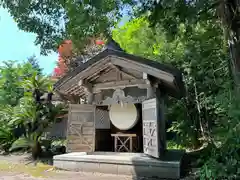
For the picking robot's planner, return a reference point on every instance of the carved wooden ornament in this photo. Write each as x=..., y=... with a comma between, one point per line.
x=120, y=98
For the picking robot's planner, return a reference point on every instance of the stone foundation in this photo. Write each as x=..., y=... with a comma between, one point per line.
x=134, y=164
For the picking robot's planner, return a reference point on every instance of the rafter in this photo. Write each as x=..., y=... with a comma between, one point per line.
x=120, y=84
x=122, y=72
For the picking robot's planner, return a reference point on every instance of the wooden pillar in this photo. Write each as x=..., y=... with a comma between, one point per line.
x=88, y=88
x=89, y=93
x=161, y=110
x=151, y=86
x=98, y=97
x=150, y=92
x=90, y=98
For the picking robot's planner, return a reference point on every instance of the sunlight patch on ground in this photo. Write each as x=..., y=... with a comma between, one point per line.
x=40, y=170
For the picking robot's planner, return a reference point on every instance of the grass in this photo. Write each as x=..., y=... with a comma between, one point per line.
x=39, y=170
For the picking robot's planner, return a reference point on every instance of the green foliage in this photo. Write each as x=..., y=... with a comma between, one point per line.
x=35, y=64
x=185, y=34
x=25, y=142
x=56, y=20
x=202, y=58
x=25, y=119
x=11, y=76
x=207, y=115
x=223, y=162
x=36, y=82
x=80, y=20
x=6, y=138
x=172, y=13
x=173, y=145
x=34, y=116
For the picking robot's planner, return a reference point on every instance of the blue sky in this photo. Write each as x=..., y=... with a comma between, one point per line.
x=19, y=45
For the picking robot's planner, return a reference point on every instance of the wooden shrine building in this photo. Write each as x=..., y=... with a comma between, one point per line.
x=117, y=103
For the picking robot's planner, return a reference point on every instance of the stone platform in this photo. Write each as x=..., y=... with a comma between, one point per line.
x=134, y=164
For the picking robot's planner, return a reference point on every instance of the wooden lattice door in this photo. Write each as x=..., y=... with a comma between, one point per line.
x=81, y=128
x=151, y=139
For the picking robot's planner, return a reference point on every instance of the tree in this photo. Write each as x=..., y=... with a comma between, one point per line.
x=24, y=114
x=208, y=114
x=197, y=55
x=11, y=75
x=28, y=120
x=35, y=64
x=171, y=14
x=79, y=20
x=69, y=58
x=99, y=16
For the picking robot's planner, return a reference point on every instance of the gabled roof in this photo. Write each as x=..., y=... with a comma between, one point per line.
x=114, y=50
x=113, y=45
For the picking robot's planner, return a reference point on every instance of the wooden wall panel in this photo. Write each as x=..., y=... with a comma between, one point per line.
x=154, y=130
x=81, y=128
x=102, y=120
x=150, y=128
x=57, y=131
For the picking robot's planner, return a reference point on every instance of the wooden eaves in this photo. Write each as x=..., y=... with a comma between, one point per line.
x=171, y=78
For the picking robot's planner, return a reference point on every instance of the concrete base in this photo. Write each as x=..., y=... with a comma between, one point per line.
x=134, y=164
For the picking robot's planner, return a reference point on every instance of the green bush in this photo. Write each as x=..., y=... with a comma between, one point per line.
x=24, y=121
x=224, y=160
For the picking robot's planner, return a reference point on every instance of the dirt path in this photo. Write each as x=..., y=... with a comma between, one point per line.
x=17, y=167
x=61, y=176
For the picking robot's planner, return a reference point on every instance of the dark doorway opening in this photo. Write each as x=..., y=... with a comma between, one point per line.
x=103, y=139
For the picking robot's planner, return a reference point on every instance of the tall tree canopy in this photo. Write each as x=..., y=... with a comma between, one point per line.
x=207, y=115
x=11, y=75
x=201, y=56
x=171, y=14
x=35, y=64
x=56, y=20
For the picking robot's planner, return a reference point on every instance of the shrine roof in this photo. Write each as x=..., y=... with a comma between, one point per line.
x=114, y=52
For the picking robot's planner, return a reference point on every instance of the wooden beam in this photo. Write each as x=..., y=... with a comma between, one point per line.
x=150, y=92
x=153, y=83
x=100, y=74
x=72, y=89
x=88, y=88
x=122, y=72
x=75, y=99
x=77, y=91
x=98, y=98
x=120, y=84
x=119, y=75
x=84, y=74
x=61, y=95
x=86, y=85
x=122, y=62
x=145, y=75
x=104, y=70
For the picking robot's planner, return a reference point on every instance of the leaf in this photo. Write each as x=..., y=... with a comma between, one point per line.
x=22, y=143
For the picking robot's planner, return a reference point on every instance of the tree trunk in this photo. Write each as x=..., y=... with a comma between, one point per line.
x=36, y=150
x=229, y=14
